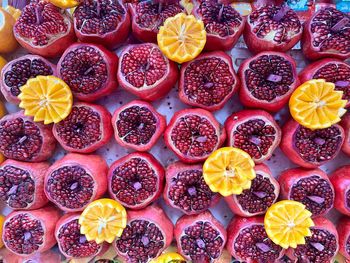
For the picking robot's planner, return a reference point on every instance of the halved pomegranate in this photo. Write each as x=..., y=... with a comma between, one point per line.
x=343, y=229
x=74, y=181
x=200, y=238
x=145, y=72
x=147, y=233
x=341, y=183
x=44, y=29
x=90, y=70
x=262, y=194
x=310, y=187
x=102, y=22
x=208, y=81
x=87, y=128
x=345, y=123
x=267, y=80
x=50, y=256
x=193, y=134
x=311, y=148
x=137, y=125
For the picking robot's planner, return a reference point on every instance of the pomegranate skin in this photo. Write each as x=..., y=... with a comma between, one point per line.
x=49, y=256
x=345, y=123
x=340, y=179
x=343, y=228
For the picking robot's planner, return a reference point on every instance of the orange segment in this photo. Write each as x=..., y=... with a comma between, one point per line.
x=316, y=104
x=229, y=171
x=64, y=4
x=169, y=257
x=8, y=42
x=2, y=220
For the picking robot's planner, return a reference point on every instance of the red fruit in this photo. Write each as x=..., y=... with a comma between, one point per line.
x=343, y=228
x=6, y=256
x=44, y=29
x=28, y=232
x=326, y=35
x=23, y=139
x=255, y=132
x=262, y=194
x=137, y=125
x=102, y=22
x=147, y=233
x=145, y=72
x=311, y=148
x=341, y=183
x=310, y=187
x=193, y=134
x=247, y=241
x=49, y=256
x=267, y=80
x=74, y=181
x=345, y=123
x=87, y=128
x=136, y=180
x=90, y=70
x=200, y=238
x=224, y=25
x=208, y=81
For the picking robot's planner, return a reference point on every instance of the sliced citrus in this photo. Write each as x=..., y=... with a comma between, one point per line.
x=229, y=171
x=169, y=257
x=316, y=104
x=2, y=220
x=182, y=37
x=46, y=98
x=64, y=4
x=287, y=223
x=8, y=42
x=13, y=11
x=103, y=220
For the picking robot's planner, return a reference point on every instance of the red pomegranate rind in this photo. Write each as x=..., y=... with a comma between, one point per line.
x=44, y=29
x=310, y=187
x=311, y=148
x=22, y=184
x=50, y=256
x=74, y=181
x=262, y=194
x=147, y=234
x=341, y=183
x=27, y=232
x=145, y=72
x=343, y=229
x=267, y=80
x=208, y=81
x=23, y=139
x=136, y=180
x=90, y=71
x=6, y=256
x=87, y=128
x=102, y=22
x=345, y=123
x=137, y=125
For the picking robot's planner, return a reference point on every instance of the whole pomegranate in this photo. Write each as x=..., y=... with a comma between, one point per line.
x=345, y=123
x=343, y=229
x=340, y=179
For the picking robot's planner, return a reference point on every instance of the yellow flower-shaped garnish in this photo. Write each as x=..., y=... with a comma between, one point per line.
x=229, y=171
x=64, y=4
x=316, y=104
x=169, y=257
x=46, y=98
x=287, y=223
x=103, y=220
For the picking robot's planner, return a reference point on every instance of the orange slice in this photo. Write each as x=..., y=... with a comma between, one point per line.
x=2, y=220
x=169, y=257
x=229, y=171
x=182, y=37
x=287, y=223
x=316, y=104
x=13, y=11
x=8, y=42
x=64, y=4
x=103, y=220
x=46, y=98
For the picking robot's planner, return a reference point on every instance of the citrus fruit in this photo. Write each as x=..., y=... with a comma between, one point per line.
x=64, y=4
x=169, y=257
x=2, y=220
x=13, y=11
x=8, y=42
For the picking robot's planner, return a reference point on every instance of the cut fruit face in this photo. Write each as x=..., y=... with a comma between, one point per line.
x=287, y=223
x=182, y=38
x=64, y=3
x=316, y=104
x=229, y=171
x=103, y=220
x=169, y=257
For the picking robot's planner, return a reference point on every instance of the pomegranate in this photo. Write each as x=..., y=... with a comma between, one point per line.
x=341, y=183
x=267, y=80
x=311, y=148
x=224, y=25
x=343, y=228
x=137, y=125
x=310, y=187
x=44, y=29
x=27, y=232
x=326, y=34
x=247, y=241
x=262, y=194
x=49, y=256
x=6, y=256
x=136, y=180
x=102, y=22
x=208, y=81
x=255, y=132
x=345, y=123
x=16, y=73
x=186, y=189
x=23, y=139
x=74, y=181
x=145, y=72
x=147, y=233
x=87, y=128
x=90, y=70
